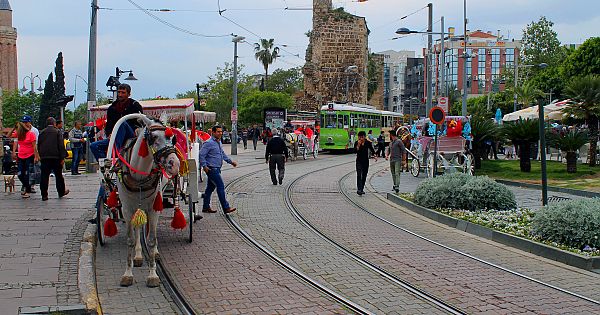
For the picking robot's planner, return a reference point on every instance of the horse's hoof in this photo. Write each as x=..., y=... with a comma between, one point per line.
x=126, y=281
x=152, y=282
x=138, y=262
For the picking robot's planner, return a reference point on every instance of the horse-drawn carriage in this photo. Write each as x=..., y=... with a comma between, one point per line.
x=452, y=152
x=302, y=139
x=181, y=186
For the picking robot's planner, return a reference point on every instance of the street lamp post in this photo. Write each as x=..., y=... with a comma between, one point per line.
x=465, y=92
x=235, y=40
x=91, y=92
x=113, y=81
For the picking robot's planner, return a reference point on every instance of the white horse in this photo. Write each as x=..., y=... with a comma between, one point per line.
x=139, y=185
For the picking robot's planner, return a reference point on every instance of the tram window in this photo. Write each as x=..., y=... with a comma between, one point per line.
x=340, y=121
x=329, y=120
x=352, y=120
x=346, y=121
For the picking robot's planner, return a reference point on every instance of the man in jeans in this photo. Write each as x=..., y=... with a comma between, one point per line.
x=77, y=142
x=52, y=155
x=211, y=159
x=395, y=152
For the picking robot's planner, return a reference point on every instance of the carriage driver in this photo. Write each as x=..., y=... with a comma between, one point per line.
x=124, y=105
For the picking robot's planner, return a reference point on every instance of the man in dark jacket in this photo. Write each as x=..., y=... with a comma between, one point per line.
x=254, y=133
x=52, y=151
x=362, y=147
x=276, y=155
x=124, y=105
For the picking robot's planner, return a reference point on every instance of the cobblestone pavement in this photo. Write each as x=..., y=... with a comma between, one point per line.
x=220, y=273
x=550, y=271
x=468, y=284
x=39, y=245
x=136, y=299
x=263, y=214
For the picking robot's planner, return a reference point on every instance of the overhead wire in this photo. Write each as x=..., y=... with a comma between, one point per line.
x=401, y=18
x=183, y=30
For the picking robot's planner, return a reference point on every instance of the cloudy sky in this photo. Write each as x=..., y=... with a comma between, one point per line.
x=167, y=61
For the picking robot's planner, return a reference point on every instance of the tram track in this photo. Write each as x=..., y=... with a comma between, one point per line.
x=364, y=262
x=402, y=285
x=350, y=200
x=328, y=292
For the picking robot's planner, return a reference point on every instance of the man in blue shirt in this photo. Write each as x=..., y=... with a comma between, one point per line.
x=211, y=160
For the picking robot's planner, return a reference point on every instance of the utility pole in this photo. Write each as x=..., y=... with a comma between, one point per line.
x=91, y=93
x=235, y=41
x=442, y=62
x=464, y=97
x=516, y=82
x=429, y=59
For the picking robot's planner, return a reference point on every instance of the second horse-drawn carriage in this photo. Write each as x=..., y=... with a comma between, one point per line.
x=302, y=140
x=452, y=152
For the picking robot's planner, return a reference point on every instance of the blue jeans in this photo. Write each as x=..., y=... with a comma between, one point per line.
x=100, y=148
x=24, y=165
x=77, y=155
x=215, y=181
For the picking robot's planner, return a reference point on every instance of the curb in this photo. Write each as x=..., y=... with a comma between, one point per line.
x=572, y=259
x=576, y=192
x=87, y=271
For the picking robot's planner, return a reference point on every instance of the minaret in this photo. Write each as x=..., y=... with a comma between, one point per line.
x=8, y=49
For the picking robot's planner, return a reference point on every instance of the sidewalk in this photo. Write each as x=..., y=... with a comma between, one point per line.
x=40, y=243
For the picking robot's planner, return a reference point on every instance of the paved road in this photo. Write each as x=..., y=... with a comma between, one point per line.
x=468, y=284
x=39, y=245
x=265, y=216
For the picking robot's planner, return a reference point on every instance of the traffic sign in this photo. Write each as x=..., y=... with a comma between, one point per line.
x=443, y=103
x=234, y=115
x=437, y=115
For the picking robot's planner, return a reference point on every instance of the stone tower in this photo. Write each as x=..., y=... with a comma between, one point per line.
x=338, y=40
x=8, y=49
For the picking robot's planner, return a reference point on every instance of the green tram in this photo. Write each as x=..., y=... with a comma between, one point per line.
x=340, y=124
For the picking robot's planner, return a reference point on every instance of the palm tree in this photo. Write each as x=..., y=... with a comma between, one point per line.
x=482, y=130
x=266, y=54
x=523, y=133
x=584, y=94
x=569, y=143
x=528, y=94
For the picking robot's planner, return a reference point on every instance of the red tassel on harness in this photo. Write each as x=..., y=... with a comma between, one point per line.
x=110, y=227
x=112, y=201
x=178, y=221
x=169, y=132
x=158, y=203
x=143, y=152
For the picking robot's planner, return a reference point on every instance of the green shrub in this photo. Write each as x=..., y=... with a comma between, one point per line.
x=462, y=191
x=575, y=223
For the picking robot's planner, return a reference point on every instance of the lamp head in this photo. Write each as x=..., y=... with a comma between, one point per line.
x=130, y=77
x=403, y=31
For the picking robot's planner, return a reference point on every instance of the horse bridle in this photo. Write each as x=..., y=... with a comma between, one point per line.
x=163, y=152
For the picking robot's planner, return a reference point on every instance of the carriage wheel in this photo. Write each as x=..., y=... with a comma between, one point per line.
x=415, y=167
x=468, y=167
x=191, y=206
x=100, y=218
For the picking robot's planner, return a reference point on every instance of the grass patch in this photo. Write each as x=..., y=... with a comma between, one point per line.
x=509, y=170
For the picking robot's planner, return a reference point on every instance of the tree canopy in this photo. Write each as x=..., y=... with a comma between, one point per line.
x=584, y=60
x=252, y=106
x=14, y=106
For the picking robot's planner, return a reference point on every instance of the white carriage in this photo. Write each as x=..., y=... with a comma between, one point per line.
x=452, y=153
x=303, y=141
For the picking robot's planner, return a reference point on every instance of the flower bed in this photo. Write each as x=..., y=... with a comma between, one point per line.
x=517, y=222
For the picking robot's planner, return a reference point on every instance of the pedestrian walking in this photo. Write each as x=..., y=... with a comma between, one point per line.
x=27, y=153
x=52, y=155
x=245, y=138
x=276, y=155
x=381, y=145
x=395, y=154
x=211, y=159
x=77, y=143
x=254, y=133
x=362, y=147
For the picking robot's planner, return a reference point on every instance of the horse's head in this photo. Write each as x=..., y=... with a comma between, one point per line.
x=162, y=146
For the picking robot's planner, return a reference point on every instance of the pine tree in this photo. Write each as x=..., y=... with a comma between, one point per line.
x=48, y=107
x=59, y=83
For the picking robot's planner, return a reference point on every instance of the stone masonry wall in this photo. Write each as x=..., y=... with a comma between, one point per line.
x=338, y=40
x=378, y=96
